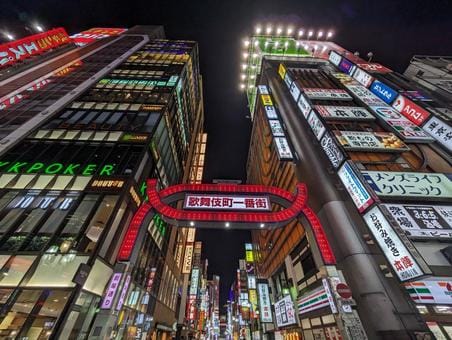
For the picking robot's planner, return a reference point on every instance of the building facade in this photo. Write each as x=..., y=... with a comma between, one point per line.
x=126, y=109
x=365, y=146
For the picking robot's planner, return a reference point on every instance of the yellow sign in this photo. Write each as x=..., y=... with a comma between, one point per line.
x=253, y=298
x=135, y=196
x=107, y=184
x=266, y=99
x=249, y=256
x=282, y=71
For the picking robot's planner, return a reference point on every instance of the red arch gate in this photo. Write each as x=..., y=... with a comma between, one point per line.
x=223, y=206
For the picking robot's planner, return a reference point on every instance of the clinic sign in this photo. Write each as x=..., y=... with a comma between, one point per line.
x=422, y=221
x=264, y=303
x=409, y=184
x=401, y=260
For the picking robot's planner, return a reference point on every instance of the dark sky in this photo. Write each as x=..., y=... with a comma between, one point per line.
x=393, y=30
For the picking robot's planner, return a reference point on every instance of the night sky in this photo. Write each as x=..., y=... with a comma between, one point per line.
x=393, y=30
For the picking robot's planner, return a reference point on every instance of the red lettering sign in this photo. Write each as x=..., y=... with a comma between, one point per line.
x=12, y=52
x=410, y=110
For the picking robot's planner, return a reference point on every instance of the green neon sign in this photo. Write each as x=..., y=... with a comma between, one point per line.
x=160, y=224
x=56, y=168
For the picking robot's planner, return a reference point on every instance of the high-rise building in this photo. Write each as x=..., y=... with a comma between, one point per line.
x=375, y=157
x=75, y=154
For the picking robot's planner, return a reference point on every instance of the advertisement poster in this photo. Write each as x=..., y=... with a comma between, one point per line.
x=370, y=141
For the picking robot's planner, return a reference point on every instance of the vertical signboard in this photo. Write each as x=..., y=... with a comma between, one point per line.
x=392, y=246
x=264, y=303
x=111, y=291
x=441, y=131
x=188, y=256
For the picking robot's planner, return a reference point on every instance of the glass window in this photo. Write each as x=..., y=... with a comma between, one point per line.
x=78, y=218
x=14, y=320
x=6, y=179
x=97, y=224
x=61, y=182
x=98, y=278
x=50, y=264
x=14, y=270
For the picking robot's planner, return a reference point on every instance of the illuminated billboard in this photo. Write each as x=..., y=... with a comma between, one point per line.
x=93, y=34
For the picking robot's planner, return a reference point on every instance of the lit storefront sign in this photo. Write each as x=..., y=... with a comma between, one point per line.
x=423, y=221
x=270, y=112
x=304, y=106
x=295, y=91
x=441, y=131
x=374, y=67
x=227, y=202
x=410, y=110
x=283, y=148
x=93, y=34
x=262, y=89
x=285, y=312
x=122, y=297
x=316, y=125
x=390, y=243
x=409, y=184
x=383, y=92
x=264, y=303
x=346, y=66
x=188, y=257
x=326, y=94
x=134, y=138
x=111, y=291
x=363, y=77
x=281, y=71
x=194, y=281
x=332, y=151
x=288, y=79
x=135, y=197
x=18, y=50
x=344, y=78
x=344, y=113
x=434, y=290
x=249, y=256
x=276, y=128
x=191, y=232
x=266, y=100
x=251, y=281
x=364, y=95
x=403, y=127
x=151, y=279
x=56, y=168
x=335, y=58
x=355, y=188
x=312, y=301
x=107, y=184
x=370, y=141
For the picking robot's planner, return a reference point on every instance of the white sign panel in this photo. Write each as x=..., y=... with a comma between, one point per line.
x=393, y=248
x=363, y=77
x=335, y=58
x=355, y=188
x=283, y=148
x=270, y=112
x=370, y=141
x=332, y=151
x=188, y=257
x=295, y=91
x=285, y=312
x=316, y=125
x=434, y=290
x=304, y=106
x=364, y=95
x=227, y=202
x=343, y=112
x=441, y=131
x=276, y=128
x=251, y=281
x=264, y=303
x=423, y=221
x=409, y=184
x=314, y=300
x=326, y=94
x=262, y=89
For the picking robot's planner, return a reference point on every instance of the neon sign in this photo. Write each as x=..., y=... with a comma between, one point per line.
x=57, y=168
